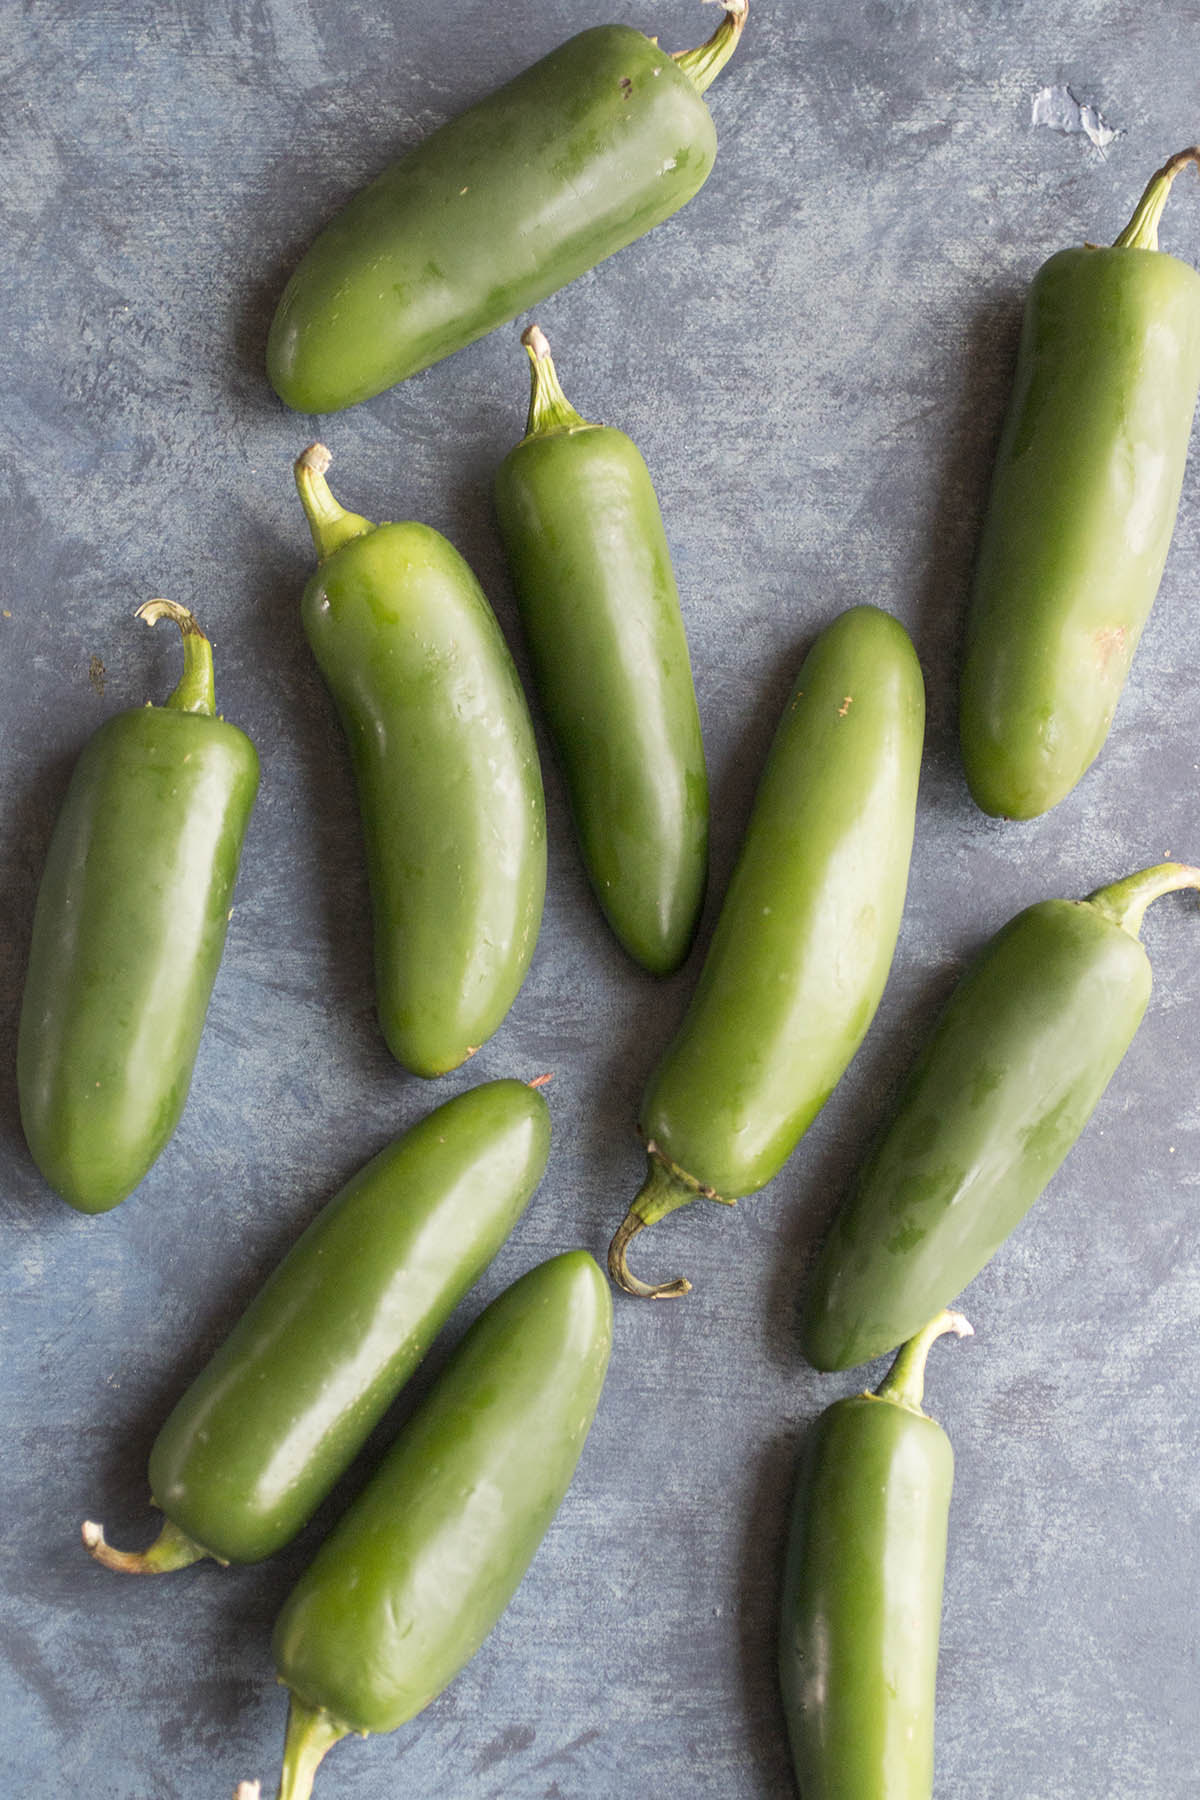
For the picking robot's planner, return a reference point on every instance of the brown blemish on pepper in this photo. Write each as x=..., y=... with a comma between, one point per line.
x=626, y=85
x=1110, y=642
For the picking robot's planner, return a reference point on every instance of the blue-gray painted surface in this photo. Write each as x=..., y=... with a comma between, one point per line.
x=814, y=359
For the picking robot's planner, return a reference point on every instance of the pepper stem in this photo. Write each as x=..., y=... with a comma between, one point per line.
x=705, y=63
x=549, y=408
x=195, y=692
x=1125, y=902
x=1141, y=233
x=171, y=1549
x=311, y=1732
x=331, y=525
x=904, y=1383
x=664, y=1190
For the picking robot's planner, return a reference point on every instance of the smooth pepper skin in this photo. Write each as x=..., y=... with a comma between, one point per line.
x=408, y=1585
x=862, y=1598
x=128, y=932
x=582, y=153
x=284, y=1406
x=1029, y=1041
x=449, y=785
x=600, y=608
x=1083, y=502
x=806, y=933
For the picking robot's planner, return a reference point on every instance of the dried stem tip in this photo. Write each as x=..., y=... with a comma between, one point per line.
x=535, y=340
x=316, y=457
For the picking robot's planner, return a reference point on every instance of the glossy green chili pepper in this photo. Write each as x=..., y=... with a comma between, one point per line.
x=600, y=608
x=284, y=1406
x=862, y=1592
x=805, y=939
x=1031, y=1038
x=1083, y=503
x=128, y=932
x=584, y=152
x=408, y=1585
x=447, y=771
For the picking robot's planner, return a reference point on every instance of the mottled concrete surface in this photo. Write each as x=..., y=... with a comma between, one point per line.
x=814, y=358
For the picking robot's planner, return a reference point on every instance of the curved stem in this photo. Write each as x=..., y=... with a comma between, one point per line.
x=1125, y=902
x=904, y=1383
x=664, y=1190
x=195, y=692
x=331, y=525
x=171, y=1549
x=311, y=1732
x=549, y=408
x=705, y=63
x=1141, y=233
x=624, y=1276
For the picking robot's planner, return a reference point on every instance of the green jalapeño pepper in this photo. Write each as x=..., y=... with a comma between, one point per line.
x=1083, y=504
x=584, y=152
x=128, y=932
x=806, y=934
x=600, y=608
x=447, y=771
x=408, y=1585
x=862, y=1591
x=284, y=1406
x=1030, y=1039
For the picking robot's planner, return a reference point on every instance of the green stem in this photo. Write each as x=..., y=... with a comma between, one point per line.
x=904, y=1383
x=665, y=1189
x=331, y=525
x=549, y=408
x=705, y=63
x=310, y=1733
x=1125, y=902
x=195, y=692
x=1141, y=233
x=171, y=1549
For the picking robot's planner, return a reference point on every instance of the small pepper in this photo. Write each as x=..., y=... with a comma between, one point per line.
x=806, y=934
x=582, y=153
x=862, y=1588
x=1029, y=1041
x=130, y=924
x=598, y=601
x=1083, y=502
x=408, y=1585
x=449, y=783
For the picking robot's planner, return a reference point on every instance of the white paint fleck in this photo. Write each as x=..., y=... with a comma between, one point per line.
x=1060, y=110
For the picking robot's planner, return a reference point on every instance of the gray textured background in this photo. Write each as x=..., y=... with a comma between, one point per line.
x=814, y=358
